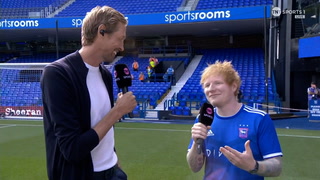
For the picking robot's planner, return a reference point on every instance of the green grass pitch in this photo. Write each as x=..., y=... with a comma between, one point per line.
x=147, y=151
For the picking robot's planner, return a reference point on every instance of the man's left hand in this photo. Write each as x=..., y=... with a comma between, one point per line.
x=242, y=160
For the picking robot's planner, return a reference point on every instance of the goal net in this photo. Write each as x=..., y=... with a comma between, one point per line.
x=20, y=90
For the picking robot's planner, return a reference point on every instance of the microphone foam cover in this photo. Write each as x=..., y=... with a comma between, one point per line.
x=122, y=75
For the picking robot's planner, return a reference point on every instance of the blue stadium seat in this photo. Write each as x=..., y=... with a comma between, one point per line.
x=178, y=110
x=80, y=7
x=186, y=111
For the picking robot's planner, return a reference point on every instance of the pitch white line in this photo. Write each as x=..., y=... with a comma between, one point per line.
x=152, y=129
x=6, y=125
x=21, y=125
x=300, y=136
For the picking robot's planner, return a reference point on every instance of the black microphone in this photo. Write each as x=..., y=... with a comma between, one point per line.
x=206, y=118
x=123, y=79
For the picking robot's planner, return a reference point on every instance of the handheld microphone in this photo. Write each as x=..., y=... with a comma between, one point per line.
x=206, y=118
x=123, y=79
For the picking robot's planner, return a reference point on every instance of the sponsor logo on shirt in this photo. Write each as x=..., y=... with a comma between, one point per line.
x=210, y=133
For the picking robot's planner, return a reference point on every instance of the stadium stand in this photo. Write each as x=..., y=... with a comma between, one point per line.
x=80, y=7
x=250, y=65
x=249, y=62
x=21, y=9
x=20, y=88
x=214, y=4
x=36, y=58
x=5, y=57
x=148, y=93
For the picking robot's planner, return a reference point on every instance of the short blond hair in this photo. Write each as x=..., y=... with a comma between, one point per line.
x=225, y=69
x=97, y=16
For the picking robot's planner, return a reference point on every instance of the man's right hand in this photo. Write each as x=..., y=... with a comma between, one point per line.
x=199, y=131
x=126, y=102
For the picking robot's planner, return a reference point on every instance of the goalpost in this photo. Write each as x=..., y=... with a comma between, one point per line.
x=20, y=92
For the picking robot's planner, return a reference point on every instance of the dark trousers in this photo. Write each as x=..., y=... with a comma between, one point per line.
x=114, y=173
x=171, y=79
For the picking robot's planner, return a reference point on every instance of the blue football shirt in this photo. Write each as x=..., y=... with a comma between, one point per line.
x=248, y=124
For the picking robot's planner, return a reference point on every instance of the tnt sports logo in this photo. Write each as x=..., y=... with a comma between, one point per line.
x=297, y=14
x=126, y=71
x=276, y=11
